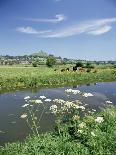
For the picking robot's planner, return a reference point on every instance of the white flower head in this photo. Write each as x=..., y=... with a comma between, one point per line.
x=26, y=97
x=82, y=107
x=53, y=109
x=48, y=100
x=23, y=115
x=87, y=94
x=99, y=119
x=38, y=101
x=25, y=105
x=68, y=90
x=109, y=102
x=82, y=125
x=93, y=134
x=42, y=97
x=75, y=92
x=80, y=131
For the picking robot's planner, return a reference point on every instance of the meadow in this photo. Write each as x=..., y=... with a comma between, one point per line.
x=12, y=78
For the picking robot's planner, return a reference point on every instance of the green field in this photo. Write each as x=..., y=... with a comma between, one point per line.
x=29, y=77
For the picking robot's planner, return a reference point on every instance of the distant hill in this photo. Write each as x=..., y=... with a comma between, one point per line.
x=40, y=54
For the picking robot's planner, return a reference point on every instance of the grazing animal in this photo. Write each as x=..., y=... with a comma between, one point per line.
x=67, y=69
x=81, y=69
x=75, y=68
x=62, y=70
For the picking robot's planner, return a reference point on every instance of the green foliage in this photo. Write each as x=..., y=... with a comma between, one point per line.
x=90, y=139
x=88, y=70
x=34, y=64
x=89, y=65
x=79, y=64
x=50, y=61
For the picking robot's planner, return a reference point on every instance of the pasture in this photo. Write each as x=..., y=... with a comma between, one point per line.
x=33, y=77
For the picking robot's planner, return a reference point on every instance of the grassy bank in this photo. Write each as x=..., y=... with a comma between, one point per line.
x=27, y=77
x=90, y=138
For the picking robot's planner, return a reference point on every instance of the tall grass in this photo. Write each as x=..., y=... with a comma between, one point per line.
x=26, y=77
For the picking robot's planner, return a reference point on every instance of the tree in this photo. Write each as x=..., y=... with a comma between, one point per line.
x=34, y=64
x=79, y=64
x=50, y=61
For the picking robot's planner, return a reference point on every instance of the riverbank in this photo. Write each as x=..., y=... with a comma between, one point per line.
x=30, y=77
x=95, y=134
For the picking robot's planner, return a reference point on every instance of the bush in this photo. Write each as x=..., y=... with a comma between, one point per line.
x=34, y=64
x=50, y=61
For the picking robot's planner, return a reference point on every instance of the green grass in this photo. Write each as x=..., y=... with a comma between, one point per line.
x=30, y=77
x=70, y=141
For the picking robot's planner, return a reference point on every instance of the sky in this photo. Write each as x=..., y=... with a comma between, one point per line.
x=78, y=29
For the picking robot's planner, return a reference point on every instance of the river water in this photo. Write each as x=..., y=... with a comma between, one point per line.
x=13, y=128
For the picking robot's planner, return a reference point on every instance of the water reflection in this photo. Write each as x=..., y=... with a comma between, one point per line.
x=12, y=128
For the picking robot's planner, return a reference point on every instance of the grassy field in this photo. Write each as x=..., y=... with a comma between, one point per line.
x=30, y=77
x=90, y=138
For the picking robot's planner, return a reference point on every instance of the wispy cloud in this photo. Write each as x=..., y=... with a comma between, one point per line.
x=57, y=19
x=101, y=30
x=30, y=30
x=92, y=27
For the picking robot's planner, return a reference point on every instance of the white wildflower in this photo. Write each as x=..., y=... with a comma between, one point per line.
x=42, y=97
x=82, y=107
x=38, y=101
x=80, y=131
x=68, y=104
x=87, y=94
x=93, y=110
x=82, y=125
x=99, y=119
x=23, y=115
x=25, y=105
x=76, y=118
x=75, y=92
x=93, y=134
x=53, y=108
x=109, y=102
x=59, y=101
x=68, y=90
x=27, y=97
x=48, y=100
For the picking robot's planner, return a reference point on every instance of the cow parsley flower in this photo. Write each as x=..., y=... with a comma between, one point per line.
x=87, y=94
x=109, y=102
x=99, y=119
x=38, y=101
x=48, y=100
x=93, y=134
x=42, y=97
x=53, y=109
x=23, y=115
x=27, y=97
x=25, y=105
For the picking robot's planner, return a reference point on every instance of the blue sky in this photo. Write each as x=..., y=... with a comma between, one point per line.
x=81, y=29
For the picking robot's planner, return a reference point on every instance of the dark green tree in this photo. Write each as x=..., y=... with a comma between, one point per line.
x=34, y=64
x=50, y=61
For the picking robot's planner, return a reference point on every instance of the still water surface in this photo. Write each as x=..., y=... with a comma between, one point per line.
x=13, y=128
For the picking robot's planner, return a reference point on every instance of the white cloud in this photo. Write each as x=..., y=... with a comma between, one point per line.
x=57, y=19
x=101, y=30
x=92, y=27
x=30, y=30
